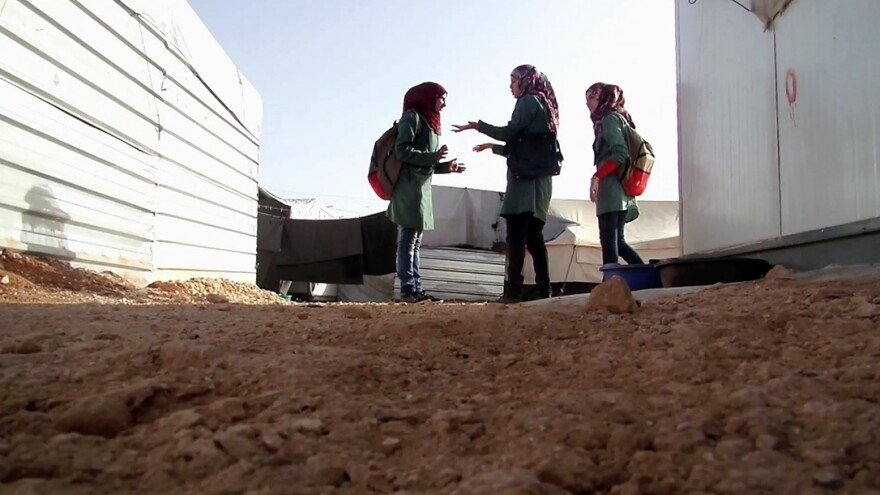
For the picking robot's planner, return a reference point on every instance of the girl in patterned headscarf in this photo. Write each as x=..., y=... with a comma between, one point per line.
x=609, y=99
x=530, y=141
x=533, y=82
x=614, y=208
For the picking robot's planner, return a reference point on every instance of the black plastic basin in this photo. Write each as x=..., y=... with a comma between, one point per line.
x=685, y=272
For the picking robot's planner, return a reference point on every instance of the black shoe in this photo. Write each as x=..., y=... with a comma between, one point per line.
x=424, y=296
x=508, y=300
x=542, y=294
x=512, y=292
x=410, y=297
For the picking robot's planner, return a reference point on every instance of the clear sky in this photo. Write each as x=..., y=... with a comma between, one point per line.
x=332, y=74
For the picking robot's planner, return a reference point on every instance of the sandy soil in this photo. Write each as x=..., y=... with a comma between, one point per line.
x=220, y=388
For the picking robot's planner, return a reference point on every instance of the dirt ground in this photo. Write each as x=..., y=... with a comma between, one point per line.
x=220, y=388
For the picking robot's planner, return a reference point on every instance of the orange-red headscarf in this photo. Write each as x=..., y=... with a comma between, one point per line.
x=423, y=99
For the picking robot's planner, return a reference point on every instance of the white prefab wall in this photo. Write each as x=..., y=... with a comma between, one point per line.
x=830, y=135
x=128, y=140
x=779, y=128
x=729, y=175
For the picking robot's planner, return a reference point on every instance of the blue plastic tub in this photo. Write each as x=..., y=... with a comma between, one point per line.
x=637, y=277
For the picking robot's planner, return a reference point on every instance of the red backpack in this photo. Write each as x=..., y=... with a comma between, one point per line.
x=384, y=164
x=634, y=176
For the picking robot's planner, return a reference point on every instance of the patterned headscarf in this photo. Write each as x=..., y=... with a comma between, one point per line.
x=534, y=82
x=423, y=99
x=611, y=100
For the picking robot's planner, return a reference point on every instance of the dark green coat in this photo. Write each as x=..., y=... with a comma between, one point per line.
x=411, y=204
x=611, y=144
x=529, y=195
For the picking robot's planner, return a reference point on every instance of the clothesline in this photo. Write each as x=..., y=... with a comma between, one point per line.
x=279, y=208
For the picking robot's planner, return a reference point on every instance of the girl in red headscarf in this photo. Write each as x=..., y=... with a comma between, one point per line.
x=411, y=207
x=614, y=208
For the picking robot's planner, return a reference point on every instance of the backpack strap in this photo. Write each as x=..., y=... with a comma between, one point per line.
x=418, y=121
x=624, y=127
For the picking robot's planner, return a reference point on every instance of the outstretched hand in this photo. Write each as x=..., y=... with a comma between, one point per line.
x=465, y=127
x=482, y=147
x=456, y=167
x=442, y=152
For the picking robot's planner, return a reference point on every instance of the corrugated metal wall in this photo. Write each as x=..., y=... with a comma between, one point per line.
x=117, y=151
x=753, y=165
x=460, y=274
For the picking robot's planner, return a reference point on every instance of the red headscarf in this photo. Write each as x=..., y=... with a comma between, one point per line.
x=610, y=100
x=423, y=99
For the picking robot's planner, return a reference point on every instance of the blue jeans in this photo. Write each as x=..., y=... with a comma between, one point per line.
x=408, y=243
x=614, y=246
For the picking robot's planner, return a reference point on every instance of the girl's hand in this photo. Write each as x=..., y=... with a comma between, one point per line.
x=464, y=127
x=442, y=152
x=594, y=189
x=483, y=147
x=456, y=167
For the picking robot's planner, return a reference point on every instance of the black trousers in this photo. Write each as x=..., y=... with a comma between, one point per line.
x=524, y=231
x=611, y=238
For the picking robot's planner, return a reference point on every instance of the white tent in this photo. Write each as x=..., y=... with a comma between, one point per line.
x=575, y=254
x=470, y=217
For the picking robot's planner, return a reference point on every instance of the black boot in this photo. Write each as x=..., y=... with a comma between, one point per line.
x=543, y=285
x=541, y=291
x=544, y=292
x=542, y=272
x=512, y=292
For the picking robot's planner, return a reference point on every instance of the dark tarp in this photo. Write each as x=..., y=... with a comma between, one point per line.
x=270, y=229
x=310, y=241
x=380, y=244
x=338, y=251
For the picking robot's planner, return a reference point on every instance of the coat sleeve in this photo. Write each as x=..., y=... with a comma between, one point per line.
x=443, y=168
x=612, y=133
x=403, y=146
x=605, y=169
x=524, y=112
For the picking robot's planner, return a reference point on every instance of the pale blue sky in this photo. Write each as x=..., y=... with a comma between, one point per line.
x=332, y=74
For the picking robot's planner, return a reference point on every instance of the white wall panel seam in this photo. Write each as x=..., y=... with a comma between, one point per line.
x=150, y=60
x=85, y=116
x=71, y=147
x=171, y=49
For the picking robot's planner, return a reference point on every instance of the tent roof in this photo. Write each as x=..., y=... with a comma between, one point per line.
x=470, y=217
x=657, y=220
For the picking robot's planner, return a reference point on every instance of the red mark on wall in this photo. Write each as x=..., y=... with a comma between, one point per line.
x=791, y=86
x=791, y=92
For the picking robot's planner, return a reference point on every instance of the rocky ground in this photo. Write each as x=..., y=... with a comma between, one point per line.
x=215, y=387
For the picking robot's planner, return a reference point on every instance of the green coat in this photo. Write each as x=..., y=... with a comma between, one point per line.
x=411, y=204
x=611, y=144
x=529, y=195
